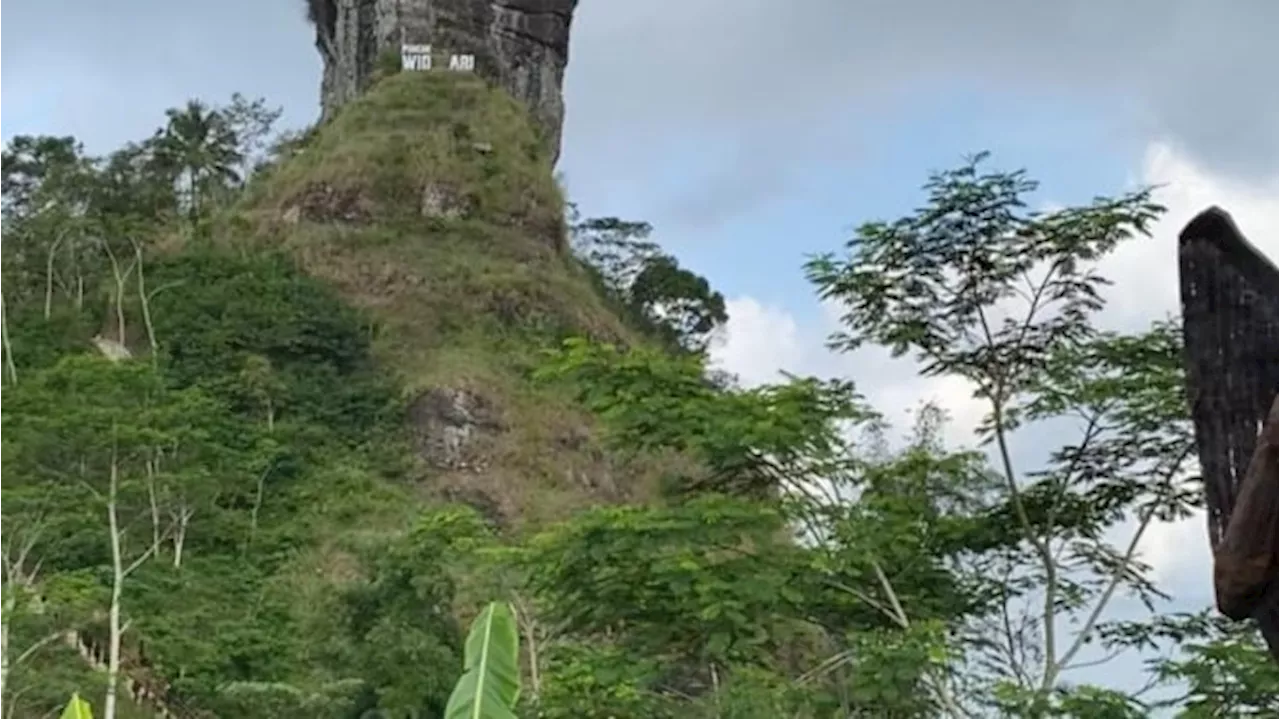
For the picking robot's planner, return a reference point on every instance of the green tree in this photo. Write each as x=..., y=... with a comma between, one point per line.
x=975, y=286
x=811, y=567
x=647, y=284
x=200, y=148
x=96, y=426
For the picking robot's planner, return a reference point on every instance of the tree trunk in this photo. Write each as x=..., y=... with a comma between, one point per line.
x=182, y=520
x=117, y=587
x=10, y=602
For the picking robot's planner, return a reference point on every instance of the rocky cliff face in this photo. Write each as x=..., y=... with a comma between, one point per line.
x=520, y=45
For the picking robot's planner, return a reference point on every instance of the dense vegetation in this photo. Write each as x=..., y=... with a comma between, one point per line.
x=227, y=492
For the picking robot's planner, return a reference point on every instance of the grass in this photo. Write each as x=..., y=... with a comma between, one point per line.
x=465, y=299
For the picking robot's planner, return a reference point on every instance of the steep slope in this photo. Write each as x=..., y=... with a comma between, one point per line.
x=430, y=203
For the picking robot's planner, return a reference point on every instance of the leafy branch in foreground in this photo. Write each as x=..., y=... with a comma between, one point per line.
x=490, y=685
x=77, y=708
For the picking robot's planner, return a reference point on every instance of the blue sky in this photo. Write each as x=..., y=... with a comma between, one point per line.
x=811, y=204
x=753, y=132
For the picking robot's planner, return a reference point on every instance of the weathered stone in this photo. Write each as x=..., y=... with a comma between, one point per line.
x=447, y=424
x=439, y=200
x=322, y=202
x=520, y=45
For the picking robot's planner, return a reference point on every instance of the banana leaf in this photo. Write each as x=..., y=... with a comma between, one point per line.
x=490, y=683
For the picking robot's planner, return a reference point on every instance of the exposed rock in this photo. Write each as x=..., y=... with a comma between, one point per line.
x=440, y=200
x=321, y=202
x=486, y=506
x=448, y=426
x=520, y=45
x=111, y=349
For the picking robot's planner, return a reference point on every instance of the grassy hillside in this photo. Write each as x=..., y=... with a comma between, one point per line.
x=365, y=323
x=429, y=203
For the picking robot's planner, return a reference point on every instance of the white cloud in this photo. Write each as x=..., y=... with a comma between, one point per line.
x=761, y=340
x=1147, y=287
x=1146, y=270
x=676, y=78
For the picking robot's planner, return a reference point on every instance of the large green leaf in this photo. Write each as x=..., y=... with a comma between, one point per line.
x=77, y=708
x=490, y=683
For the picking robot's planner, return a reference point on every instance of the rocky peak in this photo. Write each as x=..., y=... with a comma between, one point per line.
x=520, y=45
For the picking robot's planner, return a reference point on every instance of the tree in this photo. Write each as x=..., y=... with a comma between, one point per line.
x=200, y=147
x=871, y=577
x=96, y=425
x=47, y=185
x=649, y=285
x=975, y=286
x=20, y=604
x=404, y=638
x=250, y=121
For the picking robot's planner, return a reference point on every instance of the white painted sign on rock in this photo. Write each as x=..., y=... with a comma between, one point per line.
x=415, y=57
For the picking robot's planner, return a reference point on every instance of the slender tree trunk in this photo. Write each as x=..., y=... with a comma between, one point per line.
x=525, y=618
x=182, y=520
x=48, y=278
x=152, y=470
x=262, y=484
x=7, y=347
x=10, y=603
x=117, y=589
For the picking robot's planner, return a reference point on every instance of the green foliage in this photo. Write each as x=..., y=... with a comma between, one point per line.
x=648, y=285
x=77, y=708
x=283, y=561
x=587, y=679
x=389, y=63
x=928, y=283
x=976, y=287
x=696, y=581
x=490, y=683
x=751, y=440
x=402, y=616
x=277, y=346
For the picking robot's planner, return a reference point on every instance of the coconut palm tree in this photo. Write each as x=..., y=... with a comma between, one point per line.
x=199, y=147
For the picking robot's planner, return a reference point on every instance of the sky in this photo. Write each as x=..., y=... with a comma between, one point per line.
x=751, y=133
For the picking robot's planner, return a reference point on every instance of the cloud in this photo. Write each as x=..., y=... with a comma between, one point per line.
x=63, y=73
x=1146, y=270
x=1147, y=287
x=762, y=341
x=756, y=93
x=1199, y=74
x=764, y=94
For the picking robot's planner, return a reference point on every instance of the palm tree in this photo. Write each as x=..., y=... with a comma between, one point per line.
x=201, y=150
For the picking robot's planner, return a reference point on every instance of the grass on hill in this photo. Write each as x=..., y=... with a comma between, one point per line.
x=430, y=203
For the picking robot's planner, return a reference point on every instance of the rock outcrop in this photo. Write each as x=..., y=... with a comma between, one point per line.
x=520, y=45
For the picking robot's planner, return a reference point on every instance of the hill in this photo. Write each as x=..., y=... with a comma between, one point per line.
x=430, y=204
x=350, y=345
